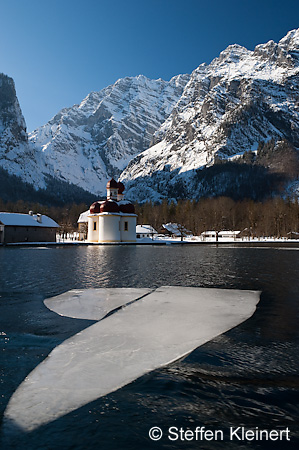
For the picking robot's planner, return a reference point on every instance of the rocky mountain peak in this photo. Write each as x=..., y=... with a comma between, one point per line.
x=284, y=53
x=242, y=98
x=98, y=137
x=290, y=42
x=12, y=123
x=233, y=53
x=16, y=155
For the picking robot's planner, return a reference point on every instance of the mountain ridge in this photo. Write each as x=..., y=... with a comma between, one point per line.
x=158, y=136
x=242, y=98
x=99, y=136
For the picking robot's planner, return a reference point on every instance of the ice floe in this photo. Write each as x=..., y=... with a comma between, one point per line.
x=161, y=327
x=93, y=304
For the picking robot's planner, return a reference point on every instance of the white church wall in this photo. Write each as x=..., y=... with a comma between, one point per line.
x=109, y=228
x=93, y=228
x=128, y=228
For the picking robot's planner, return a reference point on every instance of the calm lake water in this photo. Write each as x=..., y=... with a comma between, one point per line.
x=247, y=377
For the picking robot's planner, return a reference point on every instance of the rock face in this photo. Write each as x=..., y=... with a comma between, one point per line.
x=16, y=155
x=90, y=142
x=228, y=107
x=13, y=127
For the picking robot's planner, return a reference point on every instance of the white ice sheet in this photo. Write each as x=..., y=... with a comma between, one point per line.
x=93, y=304
x=165, y=325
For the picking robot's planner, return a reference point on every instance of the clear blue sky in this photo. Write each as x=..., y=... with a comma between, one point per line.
x=58, y=51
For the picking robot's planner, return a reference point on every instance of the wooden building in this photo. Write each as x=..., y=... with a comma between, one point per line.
x=17, y=228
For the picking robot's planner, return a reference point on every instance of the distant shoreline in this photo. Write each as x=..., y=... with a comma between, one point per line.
x=252, y=243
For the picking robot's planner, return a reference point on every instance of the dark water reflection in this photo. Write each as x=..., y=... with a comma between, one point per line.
x=246, y=377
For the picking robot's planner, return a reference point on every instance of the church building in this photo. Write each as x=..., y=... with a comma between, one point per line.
x=114, y=219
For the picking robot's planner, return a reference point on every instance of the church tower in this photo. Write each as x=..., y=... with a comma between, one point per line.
x=112, y=189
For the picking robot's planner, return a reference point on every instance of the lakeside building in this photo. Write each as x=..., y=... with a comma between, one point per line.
x=176, y=229
x=111, y=220
x=17, y=227
x=215, y=235
x=145, y=231
x=293, y=235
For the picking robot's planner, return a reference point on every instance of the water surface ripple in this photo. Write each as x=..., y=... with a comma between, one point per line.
x=246, y=377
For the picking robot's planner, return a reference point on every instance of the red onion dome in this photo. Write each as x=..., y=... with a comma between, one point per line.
x=112, y=184
x=127, y=208
x=121, y=187
x=95, y=208
x=109, y=206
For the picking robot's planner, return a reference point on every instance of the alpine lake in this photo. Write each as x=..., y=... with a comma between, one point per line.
x=245, y=379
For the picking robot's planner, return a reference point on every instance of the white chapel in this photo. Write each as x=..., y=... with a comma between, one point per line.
x=112, y=220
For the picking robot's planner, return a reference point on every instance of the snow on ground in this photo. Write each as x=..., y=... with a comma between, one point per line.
x=165, y=325
x=161, y=239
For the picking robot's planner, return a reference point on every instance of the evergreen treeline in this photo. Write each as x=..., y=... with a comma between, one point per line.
x=238, y=180
x=273, y=217
x=255, y=175
x=58, y=192
x=232, y=196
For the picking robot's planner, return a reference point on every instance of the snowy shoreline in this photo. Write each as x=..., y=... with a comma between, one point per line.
x=195, y=240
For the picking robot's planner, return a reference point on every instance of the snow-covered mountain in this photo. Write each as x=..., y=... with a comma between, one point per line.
x=88, y=143
x=241, y=99
x=160, y=135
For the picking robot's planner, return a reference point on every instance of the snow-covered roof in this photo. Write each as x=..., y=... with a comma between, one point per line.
x=176, y=229
x=27, y=220
x=145, y=229
x=228, y=233
x=83, y=218
x=220, y=233
x=124, y=202
x=208, y=232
